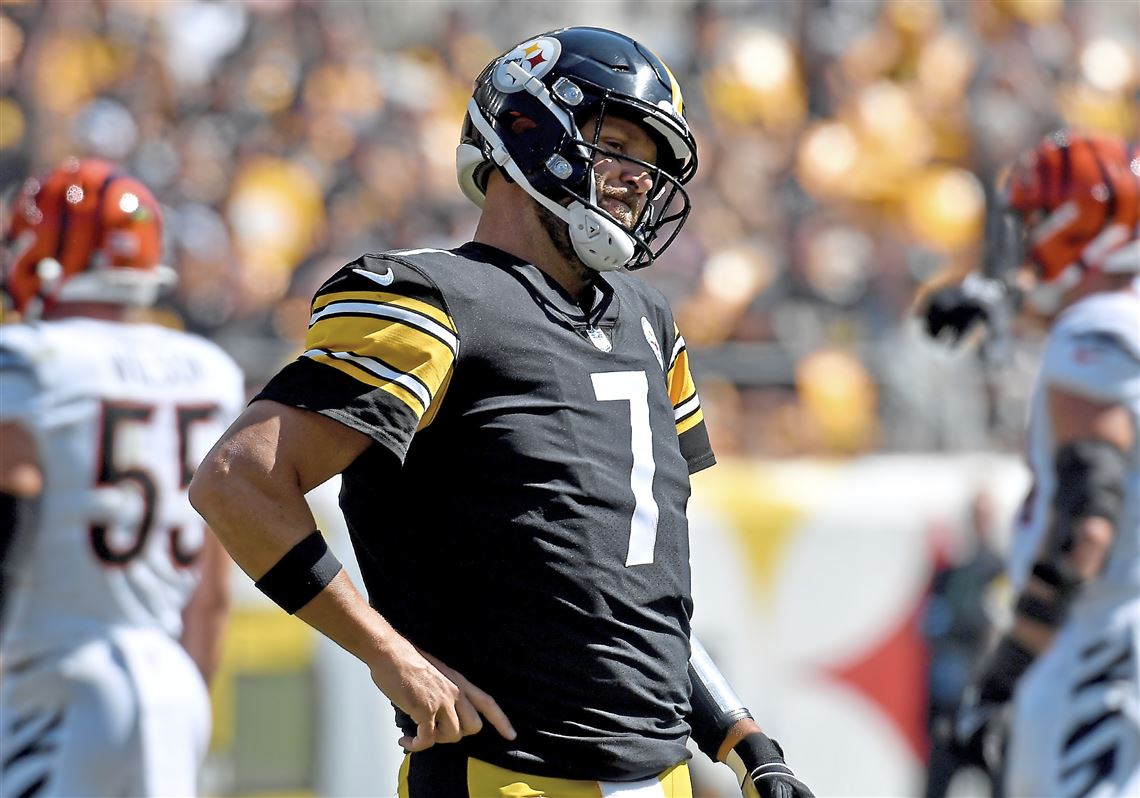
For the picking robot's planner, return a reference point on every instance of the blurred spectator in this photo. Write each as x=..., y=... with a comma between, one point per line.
x=958, y=625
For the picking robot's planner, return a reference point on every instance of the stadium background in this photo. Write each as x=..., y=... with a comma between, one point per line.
x=847, y=151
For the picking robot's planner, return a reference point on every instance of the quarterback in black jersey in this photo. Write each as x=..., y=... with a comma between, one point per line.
x=515, y=422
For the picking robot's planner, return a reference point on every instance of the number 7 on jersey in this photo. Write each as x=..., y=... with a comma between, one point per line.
x=633, y=387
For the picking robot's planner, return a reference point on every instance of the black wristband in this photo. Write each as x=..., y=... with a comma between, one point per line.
x=301, y=574
x=1049, y=612
x=1091, y=479
x=1058, y=574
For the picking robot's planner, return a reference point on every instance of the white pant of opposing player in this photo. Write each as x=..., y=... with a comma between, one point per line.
x=125, y=715
x=1076, y=716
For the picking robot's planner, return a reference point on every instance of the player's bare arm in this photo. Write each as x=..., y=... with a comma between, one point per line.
x=251, y=486
x=204, y=617
x=20, y=479
x=1091, y=440
x=251, y=489
x=19, y=470
x=1084, y=424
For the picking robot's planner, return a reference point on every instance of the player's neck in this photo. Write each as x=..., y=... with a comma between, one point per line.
x=510, y=223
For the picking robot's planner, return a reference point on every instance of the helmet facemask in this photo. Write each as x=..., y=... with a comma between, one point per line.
x=660, y=215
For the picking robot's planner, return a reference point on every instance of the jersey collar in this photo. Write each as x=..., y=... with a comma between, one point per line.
x=600, y=312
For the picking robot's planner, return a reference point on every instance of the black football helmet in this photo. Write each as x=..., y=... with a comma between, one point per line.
x=523, y=119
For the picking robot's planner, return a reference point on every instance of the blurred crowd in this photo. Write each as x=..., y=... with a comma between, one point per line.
x=848, y=151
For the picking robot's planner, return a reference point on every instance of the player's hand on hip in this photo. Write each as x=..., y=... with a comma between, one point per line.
x=444, y=705
x=475, y=705
x=766, y=774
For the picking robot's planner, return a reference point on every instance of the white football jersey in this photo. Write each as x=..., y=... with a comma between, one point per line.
x=121, y=415
x=1093, y=350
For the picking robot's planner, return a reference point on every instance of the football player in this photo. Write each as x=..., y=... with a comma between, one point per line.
x=515, y=422
x=118, y=592
x=1069, y=663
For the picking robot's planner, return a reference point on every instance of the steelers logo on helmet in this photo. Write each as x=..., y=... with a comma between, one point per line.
x=530, y=59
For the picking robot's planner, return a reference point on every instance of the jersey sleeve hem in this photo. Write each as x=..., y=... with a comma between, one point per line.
x=701, y=463
x=389, y=442
x=312, y=386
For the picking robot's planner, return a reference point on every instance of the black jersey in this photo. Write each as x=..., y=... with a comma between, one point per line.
x=523, y=516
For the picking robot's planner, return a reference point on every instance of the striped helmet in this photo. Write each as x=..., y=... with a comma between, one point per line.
x=1077, y=197
x=84, y=232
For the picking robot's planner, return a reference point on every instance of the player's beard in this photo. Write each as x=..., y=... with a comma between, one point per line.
x=560, y=234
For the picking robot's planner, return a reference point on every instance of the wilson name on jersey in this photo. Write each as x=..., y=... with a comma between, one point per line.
x=121, y=414
x=523, y=516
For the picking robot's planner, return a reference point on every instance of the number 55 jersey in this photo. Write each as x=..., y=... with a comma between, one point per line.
x=522, y=516
x=121, y=414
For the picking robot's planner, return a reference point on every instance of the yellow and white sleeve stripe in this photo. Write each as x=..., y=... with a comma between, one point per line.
x=682, y=390
x=400, y=345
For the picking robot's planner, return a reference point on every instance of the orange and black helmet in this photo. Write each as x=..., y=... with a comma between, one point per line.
x=84, y=232
x=1078, y=197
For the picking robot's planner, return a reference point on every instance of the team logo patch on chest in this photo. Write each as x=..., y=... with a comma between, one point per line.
x=599, y=339
x=651, y=338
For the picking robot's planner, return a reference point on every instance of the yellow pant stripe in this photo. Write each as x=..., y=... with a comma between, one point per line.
x=485, y=780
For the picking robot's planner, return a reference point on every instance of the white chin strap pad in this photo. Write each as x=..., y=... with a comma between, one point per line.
x=600, y=242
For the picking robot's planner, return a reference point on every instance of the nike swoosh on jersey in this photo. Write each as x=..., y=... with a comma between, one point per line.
x=384, y=278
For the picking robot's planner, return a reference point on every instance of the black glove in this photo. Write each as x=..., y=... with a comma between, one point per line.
x=953, y=311
x=763, y=773
x=981, y=721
